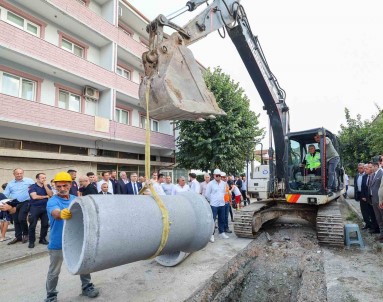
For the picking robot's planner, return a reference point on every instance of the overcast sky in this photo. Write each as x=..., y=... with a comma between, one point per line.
x=326, y=55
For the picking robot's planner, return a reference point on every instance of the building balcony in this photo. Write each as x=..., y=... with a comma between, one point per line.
x=82, y=21
x=19, y=46
x=33, y=116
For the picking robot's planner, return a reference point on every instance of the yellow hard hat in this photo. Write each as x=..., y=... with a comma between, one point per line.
x=62, y=176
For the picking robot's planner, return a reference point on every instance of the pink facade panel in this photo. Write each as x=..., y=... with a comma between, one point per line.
x=130, y=133
x=45, y=116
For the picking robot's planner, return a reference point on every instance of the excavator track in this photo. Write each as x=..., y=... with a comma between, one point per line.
x=243, y=219
x=326, y=218
x=329, y=225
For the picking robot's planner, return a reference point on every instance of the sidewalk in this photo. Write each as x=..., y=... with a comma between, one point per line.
x=20, y=251
x=355, y=206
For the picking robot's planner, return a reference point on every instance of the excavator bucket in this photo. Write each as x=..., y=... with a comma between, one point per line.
x=177, y=90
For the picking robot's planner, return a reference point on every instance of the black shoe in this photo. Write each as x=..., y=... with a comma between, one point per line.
x=90, y=291
x=43, y=241
x=31, y=245
x=365, y=227
x=370, y=231
x=51, y=299
x=13, y=241
x=25, y=239
x=228, y=231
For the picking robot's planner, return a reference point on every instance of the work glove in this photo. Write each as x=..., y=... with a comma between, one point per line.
x=65, y=214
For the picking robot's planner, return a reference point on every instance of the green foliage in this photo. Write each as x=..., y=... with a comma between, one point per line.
x=376, y=134
x=360, y=140
x=226, y=141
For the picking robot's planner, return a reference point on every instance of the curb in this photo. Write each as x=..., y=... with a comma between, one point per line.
x=352, y=207
x=22, y=258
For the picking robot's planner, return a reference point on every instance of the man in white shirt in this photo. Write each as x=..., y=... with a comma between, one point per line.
x=193, y=183
x=157, y=184
x=105, y=179
x=203, y=185
x=181, y=186
x=215, y=192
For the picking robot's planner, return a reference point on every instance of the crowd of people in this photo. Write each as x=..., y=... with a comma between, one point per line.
x=31, y=196
x=368, y=184
x=25, y=201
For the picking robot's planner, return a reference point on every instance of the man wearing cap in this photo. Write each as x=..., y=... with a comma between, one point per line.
x=215, y=192
x=58, y=211
x=193, y=183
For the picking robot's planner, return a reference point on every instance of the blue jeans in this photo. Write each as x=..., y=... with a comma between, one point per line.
x=220, y=211
x=331, y=182
x=227, y=210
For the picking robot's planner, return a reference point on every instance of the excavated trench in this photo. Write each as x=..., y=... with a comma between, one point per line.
x=283, y=264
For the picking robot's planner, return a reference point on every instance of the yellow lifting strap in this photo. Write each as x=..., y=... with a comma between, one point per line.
x=156, y=197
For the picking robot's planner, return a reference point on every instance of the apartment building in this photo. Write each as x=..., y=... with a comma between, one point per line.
x=69, y=78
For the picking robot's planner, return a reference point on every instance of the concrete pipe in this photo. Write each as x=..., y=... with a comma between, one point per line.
x=111, y=230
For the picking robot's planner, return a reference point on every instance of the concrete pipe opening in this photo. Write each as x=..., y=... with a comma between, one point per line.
x=172, y=259
x=75, y=229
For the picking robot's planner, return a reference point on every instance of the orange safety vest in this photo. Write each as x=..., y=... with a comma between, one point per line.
x=227, y=196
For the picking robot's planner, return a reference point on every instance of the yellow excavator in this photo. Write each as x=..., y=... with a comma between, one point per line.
x=177, y=91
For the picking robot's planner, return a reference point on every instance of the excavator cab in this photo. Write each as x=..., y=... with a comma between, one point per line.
x=174, y=83
x=300, y=179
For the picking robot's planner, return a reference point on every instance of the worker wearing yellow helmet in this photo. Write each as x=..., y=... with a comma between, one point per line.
x=58, y=211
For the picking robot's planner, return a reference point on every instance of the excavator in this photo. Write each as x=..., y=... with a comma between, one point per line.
x=174, y=89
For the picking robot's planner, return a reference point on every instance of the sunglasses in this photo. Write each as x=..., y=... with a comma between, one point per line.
x=217, y=175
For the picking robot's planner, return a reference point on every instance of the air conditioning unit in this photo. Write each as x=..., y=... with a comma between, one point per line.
x=91, y=93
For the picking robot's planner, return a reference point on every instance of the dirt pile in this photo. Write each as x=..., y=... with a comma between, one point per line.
x=284, y=266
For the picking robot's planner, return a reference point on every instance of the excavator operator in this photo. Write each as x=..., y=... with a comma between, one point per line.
x=311, y=163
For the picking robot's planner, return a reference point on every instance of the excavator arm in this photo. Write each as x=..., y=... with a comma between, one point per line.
x=176, y=87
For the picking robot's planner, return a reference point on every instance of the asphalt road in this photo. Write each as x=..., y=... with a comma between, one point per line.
x=140, y=281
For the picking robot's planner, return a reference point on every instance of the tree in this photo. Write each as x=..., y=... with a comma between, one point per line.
x=355, y=139
x=376, y=133
x=224, y=142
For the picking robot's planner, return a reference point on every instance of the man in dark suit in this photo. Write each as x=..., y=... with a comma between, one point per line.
x=114, y=180
x=374, y=188
x=104, y=189
x=365, y=201
x=86, y=188
x=360, y=180
x=133, y=187
x=122, y=183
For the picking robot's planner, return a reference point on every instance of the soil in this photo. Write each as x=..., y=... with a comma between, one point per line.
x=285, y=263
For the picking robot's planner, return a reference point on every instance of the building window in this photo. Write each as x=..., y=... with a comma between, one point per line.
x=90, y=106
x=154, y=125
x=21, y=22
x=18, y=86
x=72, y=47
x=123, y=72
x=122, y=116
x=69, y=101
